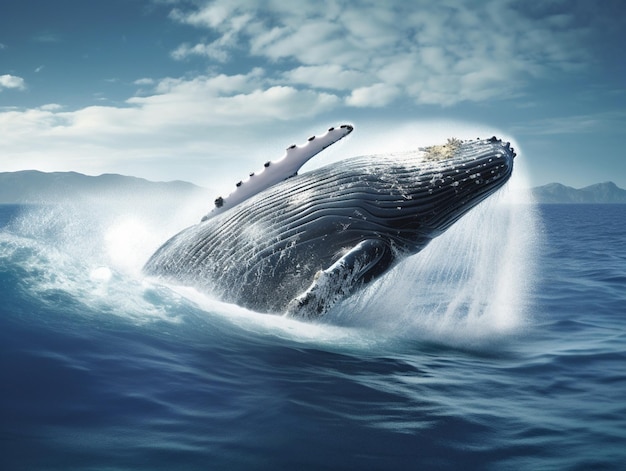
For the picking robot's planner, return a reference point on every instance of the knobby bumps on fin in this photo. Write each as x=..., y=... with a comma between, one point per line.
x=277, y=171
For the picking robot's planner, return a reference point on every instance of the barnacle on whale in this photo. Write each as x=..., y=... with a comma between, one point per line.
x=443, y=151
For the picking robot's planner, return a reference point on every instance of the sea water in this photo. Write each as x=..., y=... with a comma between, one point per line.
x=500, y=346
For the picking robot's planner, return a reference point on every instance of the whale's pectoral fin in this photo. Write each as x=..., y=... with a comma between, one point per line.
x=275, y=172
x=365, y=262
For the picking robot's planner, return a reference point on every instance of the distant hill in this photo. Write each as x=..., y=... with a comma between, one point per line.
x=600, y=193
x=31, y=186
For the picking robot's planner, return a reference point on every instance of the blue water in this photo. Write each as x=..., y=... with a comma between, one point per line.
x=501, y=346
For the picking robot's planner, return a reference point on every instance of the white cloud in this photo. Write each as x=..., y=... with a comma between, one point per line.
x=180, y=104
x=237, y=99
x=330, y=76
x=211, y=15
x=51, y=107
x=144, y=81
x=310, y=43
x=203, y=123
x=217, y=15
x=432, y=52
x=315, y=61
x=213, y=51
x=12, y=81
x=374, y=96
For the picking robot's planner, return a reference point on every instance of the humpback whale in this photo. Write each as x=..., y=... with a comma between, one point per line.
x=296, y=245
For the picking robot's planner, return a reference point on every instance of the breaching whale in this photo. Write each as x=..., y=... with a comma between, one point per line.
x=297, y=244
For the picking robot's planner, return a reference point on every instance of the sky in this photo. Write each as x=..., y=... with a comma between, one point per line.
x=206, y=91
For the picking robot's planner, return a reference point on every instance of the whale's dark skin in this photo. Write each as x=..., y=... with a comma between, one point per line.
x=309, y=241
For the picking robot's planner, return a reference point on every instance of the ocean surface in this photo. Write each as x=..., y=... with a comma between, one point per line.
x=501, y=346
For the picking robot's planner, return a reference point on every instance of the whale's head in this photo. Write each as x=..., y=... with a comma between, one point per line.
x=422, y=193
x=463, y=174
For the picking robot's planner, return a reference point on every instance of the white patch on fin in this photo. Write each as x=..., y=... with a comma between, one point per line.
x=279, y=170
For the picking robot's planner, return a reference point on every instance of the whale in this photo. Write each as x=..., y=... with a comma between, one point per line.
x=296, y=244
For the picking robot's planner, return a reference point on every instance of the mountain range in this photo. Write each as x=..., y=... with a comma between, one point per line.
x=31, y=186
x=599, y=193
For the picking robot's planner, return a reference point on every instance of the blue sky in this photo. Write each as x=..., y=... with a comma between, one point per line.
x=206, y=91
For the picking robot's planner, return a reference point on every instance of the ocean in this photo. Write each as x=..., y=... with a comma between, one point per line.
x=501, y=346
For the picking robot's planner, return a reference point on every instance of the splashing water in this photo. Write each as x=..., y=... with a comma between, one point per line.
x=91, y=253
x=470, y=285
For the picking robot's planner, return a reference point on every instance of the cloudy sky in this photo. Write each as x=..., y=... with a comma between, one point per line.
x=206, y=91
